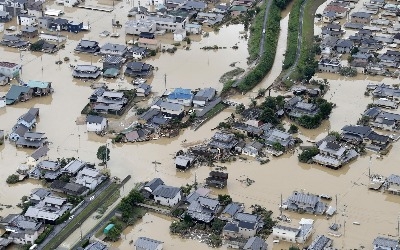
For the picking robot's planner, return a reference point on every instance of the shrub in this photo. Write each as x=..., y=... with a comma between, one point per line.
x=308, y=154
x=12, y=179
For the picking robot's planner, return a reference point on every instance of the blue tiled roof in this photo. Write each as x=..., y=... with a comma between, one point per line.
x=180, y=93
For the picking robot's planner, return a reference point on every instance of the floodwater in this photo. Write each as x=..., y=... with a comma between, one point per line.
x=376, y=212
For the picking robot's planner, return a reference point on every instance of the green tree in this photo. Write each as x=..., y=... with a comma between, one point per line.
x=325, y=110
x=335, y=134
x=114, y=234
x=217, y=225
x=294, y=248
x=293, y=129
x=103, y=154
x=224, y=199
x=12, y=179
x=278, y=147
x=268, y=116
x=308, y=154
x=240, y=108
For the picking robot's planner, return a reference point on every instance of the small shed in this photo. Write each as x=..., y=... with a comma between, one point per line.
x=179, y=35
x=108, y=228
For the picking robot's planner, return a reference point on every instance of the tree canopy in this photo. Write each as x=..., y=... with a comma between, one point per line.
x=103, y=153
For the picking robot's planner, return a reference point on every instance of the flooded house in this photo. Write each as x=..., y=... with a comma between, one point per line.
x=138, y=69
x=217, y=179
x=95, y=123
x=386, y=91
x=184, y=162
x=223, y=141
x=172, y=110
x=21, y=229
x=181, y=96
x=114, y=49
x=143, y=90
x=113, y=62
x=96, y=245
x=74, y=26
x=69, y=188
x=13, y=41
x=49, y=209
x=244, y=225
x=355, y=134
x=26, y=20
x=386, y=103
x=87, y=46
x=151, y=44
x=392, y=184
x=255, y=243
x=297, y=108
x=48, y=170
x=253, y=149
x=294, y=234
x=37, y=156
x=271, y=137
x=137, y=53
x=135, y=27
x=73, y=167
x=18, y=94
x=249, y=130
x=144, y=243
x=5, y=17
x=150, y=187
x=203, y=209
x=230, y=211
x=333, y=155
x=10, y=70
x=170, y=22
x=44, y=22
x=385, y=243
x=193, y=28
x=167, y=195
x=320, y=242
x=306, y=202
x=203, y=97
x=108, y=102
x=59, y=24
x=86, y=72
x=55, y=38
x=331, y=65
x=32, y=140
x=39, y=88
x=29, y=32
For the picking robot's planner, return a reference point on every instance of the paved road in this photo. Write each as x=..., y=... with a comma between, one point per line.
x=57, y=229
x=264, y=27
x=299, y=42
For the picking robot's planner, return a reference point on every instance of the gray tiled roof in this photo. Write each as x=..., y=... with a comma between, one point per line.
x=385, y=242
x=147, y=243
x=232, y=208
x=94, y=119
x=153, y=184
x=255, y=243
x=166, y=191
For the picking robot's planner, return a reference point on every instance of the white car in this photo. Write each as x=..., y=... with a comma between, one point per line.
x=91, y=198
x=71, y=217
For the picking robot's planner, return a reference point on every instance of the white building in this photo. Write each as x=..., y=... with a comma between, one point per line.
x=179, y=35
x=292, y=234
x=52, y=37
x=22, y=230
x=89, y=178
x=135, y=27
x=193, y=28
x=26, y=20
x=37, y=156
x=10, y=70
x=2, y=101
x=167, y=195
x=143, y=243
x=95, y=123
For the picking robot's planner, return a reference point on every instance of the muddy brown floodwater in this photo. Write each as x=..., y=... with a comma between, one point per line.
x=377, y=212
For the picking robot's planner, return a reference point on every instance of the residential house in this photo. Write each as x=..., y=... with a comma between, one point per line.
x=14, y=41
x=386, y=91
x=112, y=102
x=193, y=196
x=49, y=48
x=135, y=27
x=328, y=16
x=276, y=136
x=13, y=7
x=114, y=49
x=96, y=245
x=138, y=53
x=138, y=69
x=329, y=65
x=32, y=140
x=5, y=17
x=167, y=195
x=39, y=87
x=18, y=132
x=179, y=35
x=252, y=149
x=55, y=38
x=181, y=96
x=385, y=103
x=169, y=109
x=59, y=24
x=49, y=170
x=113, y=62
x=69, y=188
x=230, y=211
x=86, y=71
x=333, y=30
x=49, y=209
x=150, y=187
x=95, y=123
x=340, y=11
x=10, y=70
x=38, y=195
x=29, y=118
x=193, y=28
x=217, y=179
x=29, y=31
x=22, y=230
x=184, y=162
x=255, y=243
x=203, y=97
x=73, y=167
x=355, y=134
x=2, y=103
x=382, y=243
x=143, y=90
x=333, y=155
x=174, y=20
x=26, y=20
x=244, y=225
x=37, y=156
x=294, y=235
x=87, y=46
x=90, y=178
x=360, y=17
x=223, y=141
x=74, y=26
x=308, y=203
x=384, y=124
x=18, y=94
x=44, y=22
x=203, y=209
x=297, y=108
x=151, y=44
x=35, y=8
x=321, y=242
x=249, y=130
x=143, y=243
x=147, y=35
x=344, y=46
x=194, y=6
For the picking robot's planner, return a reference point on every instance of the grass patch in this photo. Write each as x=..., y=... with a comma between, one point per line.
x=256, y=33
x=114, y=197
x=81, y=217
x=214, y=111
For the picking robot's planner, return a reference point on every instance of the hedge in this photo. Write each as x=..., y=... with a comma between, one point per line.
x=293, y=34
x=267, y=59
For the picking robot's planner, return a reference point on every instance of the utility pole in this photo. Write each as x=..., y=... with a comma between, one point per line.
x=155, y=165
x=281, y=206
x=106, y=154
x=336, y=208
x=165, y=81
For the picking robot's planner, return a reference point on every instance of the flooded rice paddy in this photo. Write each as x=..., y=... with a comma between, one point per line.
x=377, y=212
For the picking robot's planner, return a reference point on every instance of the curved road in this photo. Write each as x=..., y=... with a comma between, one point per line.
x=261, y=51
